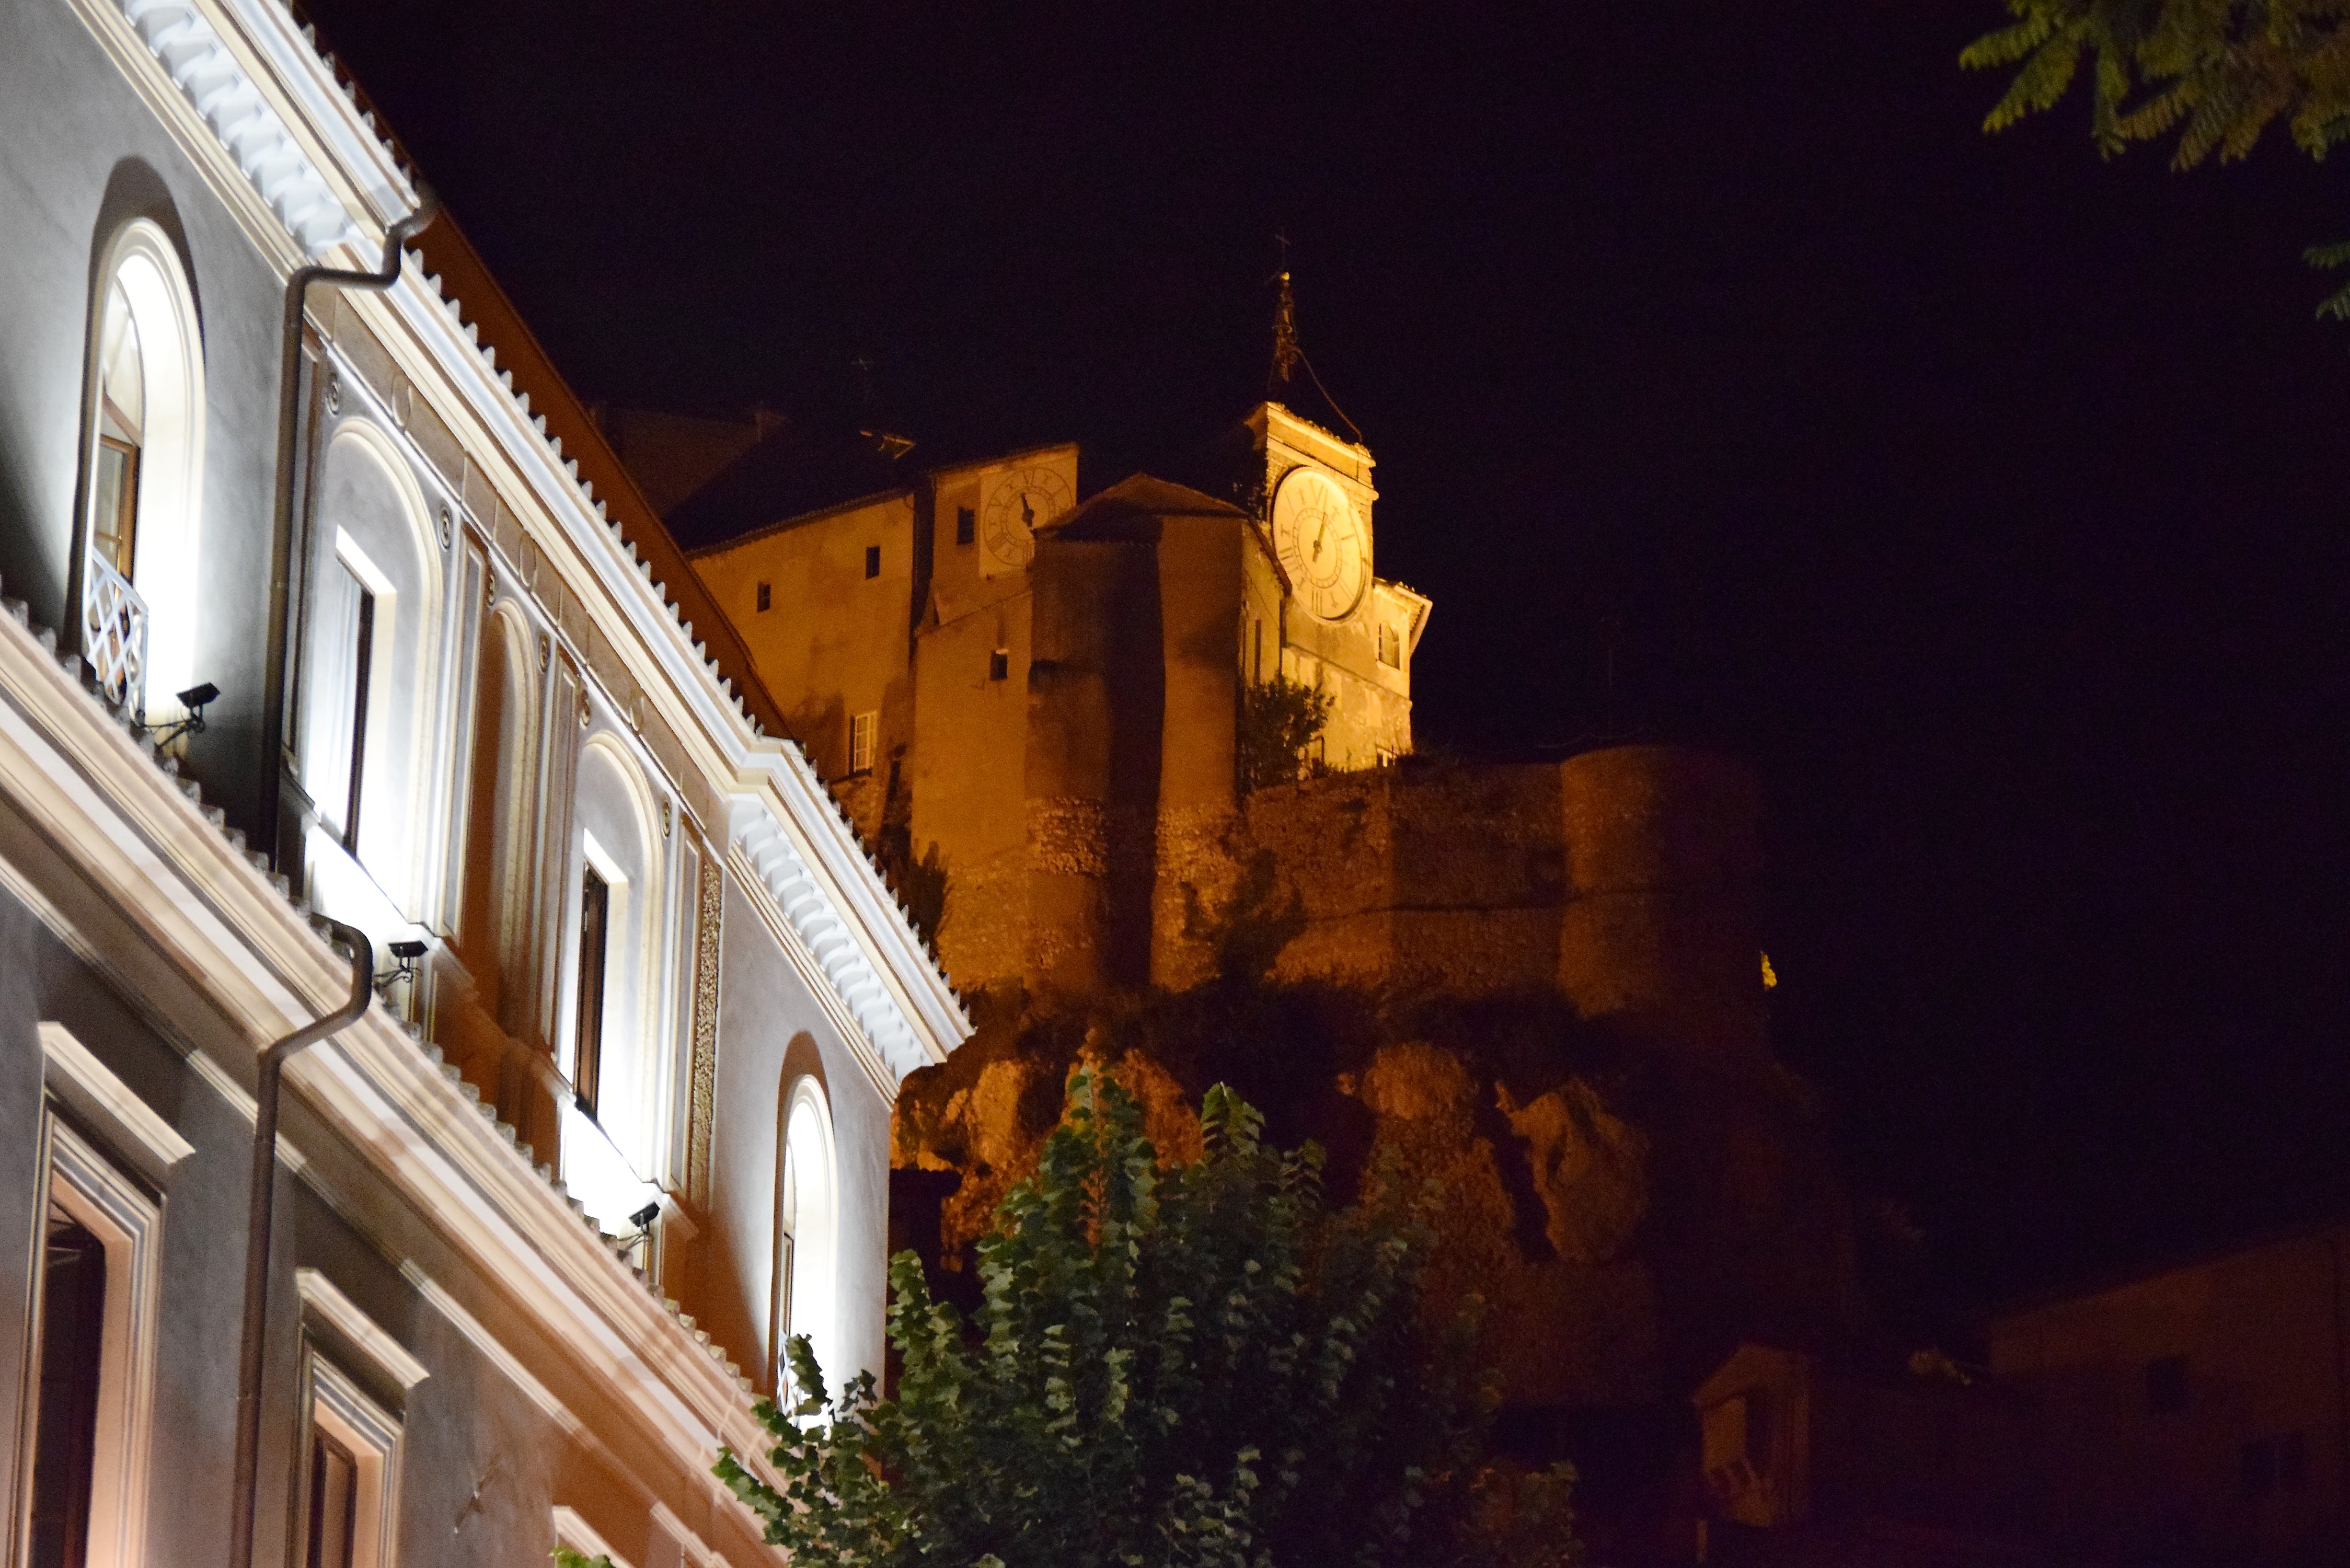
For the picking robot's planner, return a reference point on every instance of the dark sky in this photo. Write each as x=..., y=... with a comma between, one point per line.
x=1990, y=497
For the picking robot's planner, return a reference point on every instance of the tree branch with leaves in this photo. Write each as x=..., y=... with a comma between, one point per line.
x=1198, y=1364
x=2218, y=74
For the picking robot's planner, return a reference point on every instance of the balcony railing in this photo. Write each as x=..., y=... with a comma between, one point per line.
x=114, y=633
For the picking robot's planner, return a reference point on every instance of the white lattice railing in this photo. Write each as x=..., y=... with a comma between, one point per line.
x=114, y=632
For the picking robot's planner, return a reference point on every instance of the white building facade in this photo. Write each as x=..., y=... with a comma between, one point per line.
x=620, y=1120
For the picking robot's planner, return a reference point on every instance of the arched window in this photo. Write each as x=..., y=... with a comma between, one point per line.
x=140, y=529
x=368, y=670
x=807, y=1213
x=492, y=915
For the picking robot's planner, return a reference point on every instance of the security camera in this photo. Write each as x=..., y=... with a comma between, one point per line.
x=643, y=1217
x=194, y=699
x=409, y=952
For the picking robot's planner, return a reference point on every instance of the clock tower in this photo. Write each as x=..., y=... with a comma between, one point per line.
x=1319, y=614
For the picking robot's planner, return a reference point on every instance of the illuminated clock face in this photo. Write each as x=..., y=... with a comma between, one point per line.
x=1319, y=538
x=1023, y=501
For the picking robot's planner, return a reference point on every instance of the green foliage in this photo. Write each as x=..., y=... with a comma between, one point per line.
x=1280, y=722
x=1204, y=1365
x=566, y=1558
x=2217, y=72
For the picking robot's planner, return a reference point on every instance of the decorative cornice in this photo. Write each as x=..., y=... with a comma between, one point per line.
x=214, y=81
x=813, y=932
x=887, y=979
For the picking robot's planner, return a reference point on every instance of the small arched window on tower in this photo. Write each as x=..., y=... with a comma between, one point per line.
x=139, y=565
x=805, y=1206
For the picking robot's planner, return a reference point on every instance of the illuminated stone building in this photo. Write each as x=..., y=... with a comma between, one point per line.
x=397, y=644
x=1044, y=695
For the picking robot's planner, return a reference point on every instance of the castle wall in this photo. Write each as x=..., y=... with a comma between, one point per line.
x=833, y=642
x=1096, y=696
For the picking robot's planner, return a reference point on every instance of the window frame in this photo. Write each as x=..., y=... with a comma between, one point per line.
x=334, y=1404
x=576, y=1534
x=864, y=740
x=143, y=265
x=591, y=980
x=78, y=1175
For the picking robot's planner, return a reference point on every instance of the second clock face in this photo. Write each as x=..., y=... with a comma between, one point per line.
x=1022, y=501
x=1319, y=538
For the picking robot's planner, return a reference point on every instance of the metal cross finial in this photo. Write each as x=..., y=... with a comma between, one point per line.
x=1285, y=351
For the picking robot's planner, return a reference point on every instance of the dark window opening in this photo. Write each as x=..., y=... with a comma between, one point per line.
x=334, y=1503
x=595, y=923
x=766, y=596
x=2272, y=1464
x=362, y=671
x=2165, y=1384
x=872, y=560
x=966, y=526
x=999, y=665
x=73, y=1329
x=1257, y=674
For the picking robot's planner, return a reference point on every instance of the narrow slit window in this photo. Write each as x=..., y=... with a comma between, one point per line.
x=999, y=665
x=362, y=676
x=966, y=524
x=766, y=596
x=779, y=1310
x=595, y=934
x=872, y=560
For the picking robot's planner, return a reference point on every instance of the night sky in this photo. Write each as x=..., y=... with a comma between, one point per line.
x=1990, y=498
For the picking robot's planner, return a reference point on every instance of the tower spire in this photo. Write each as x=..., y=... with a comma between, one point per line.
x=1285, y=351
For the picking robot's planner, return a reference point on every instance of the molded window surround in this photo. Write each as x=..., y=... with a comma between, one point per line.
x=573, y=1531
x=147, y=313
x=81, y=1186
x=351, y=1472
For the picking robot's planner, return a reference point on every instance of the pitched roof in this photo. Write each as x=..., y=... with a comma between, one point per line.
x=794, y=471
x=1126, y=509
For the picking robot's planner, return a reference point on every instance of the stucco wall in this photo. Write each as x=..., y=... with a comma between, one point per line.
x=79, y=156
x=485, y=1457
x=771, y=1031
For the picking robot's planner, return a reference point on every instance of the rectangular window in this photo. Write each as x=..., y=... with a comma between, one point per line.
x=2165, y=1384
x=349, y=1494
x=860, y=741
x=595, y=932
x=999, y=665
x=766, y=596
x=872, y=560
x=115, y=507
x=73, y=1330
x=1256, y=673
x=334, y=1503
x=1391, y=645
x=92, y=1354
x=966, y=526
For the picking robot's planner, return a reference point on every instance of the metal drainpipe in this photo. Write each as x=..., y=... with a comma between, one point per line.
x=289, y=423
x=250, y=1345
